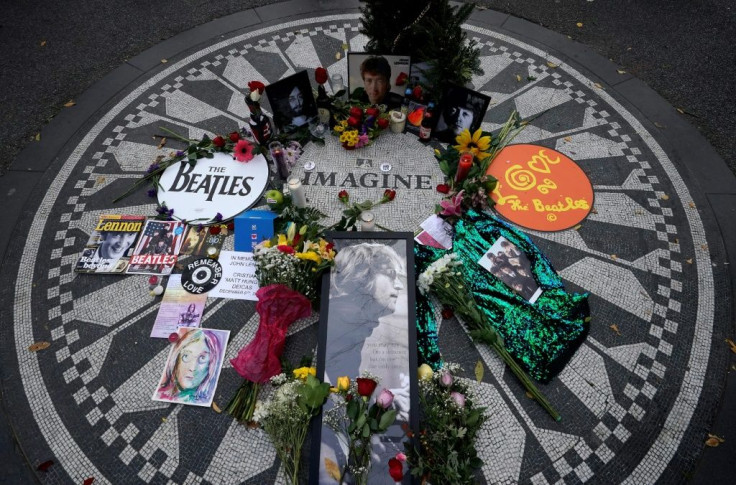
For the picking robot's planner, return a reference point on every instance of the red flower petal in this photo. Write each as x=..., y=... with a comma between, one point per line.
x=88, y=481
x=45, y=465
x=320, y=75
x=443, y=189
x=215, y=230
x=366, y=386
x=230, y=226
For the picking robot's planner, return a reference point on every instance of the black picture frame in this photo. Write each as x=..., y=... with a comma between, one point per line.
x=396, y=64
x=280, y=96
x=344, y=349
x=457, y=103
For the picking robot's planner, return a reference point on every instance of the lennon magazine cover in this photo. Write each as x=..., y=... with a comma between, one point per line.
x=157, y=249
x=110, y=245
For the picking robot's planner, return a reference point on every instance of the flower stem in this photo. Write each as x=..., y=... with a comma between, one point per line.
x=243, y=403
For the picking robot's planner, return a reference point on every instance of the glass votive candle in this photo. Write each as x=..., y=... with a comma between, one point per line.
x=337, y=83
x=397, y=121
x=367, y=221
x=279, y=159
x=296, y=189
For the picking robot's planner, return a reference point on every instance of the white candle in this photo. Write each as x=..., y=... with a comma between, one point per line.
x=298, y=196
x=367, y=221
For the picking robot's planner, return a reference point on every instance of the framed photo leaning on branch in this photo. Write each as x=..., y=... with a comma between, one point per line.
x=460, y=109
x=367, y=324
x=292, y=101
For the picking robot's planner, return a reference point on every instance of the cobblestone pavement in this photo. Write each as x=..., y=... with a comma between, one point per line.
x=637, y=399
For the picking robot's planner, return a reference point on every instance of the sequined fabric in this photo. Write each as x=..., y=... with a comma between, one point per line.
x=541, y=336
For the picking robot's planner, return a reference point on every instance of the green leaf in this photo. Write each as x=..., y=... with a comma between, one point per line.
x=387, y=420
x=352, y=410
x=479, y=371
x=445, y=167
x=473, y=417
x=366, y=430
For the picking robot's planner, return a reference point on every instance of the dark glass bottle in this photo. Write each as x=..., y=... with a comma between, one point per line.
x=323, y=105
x=261, y=127
x=425, y=131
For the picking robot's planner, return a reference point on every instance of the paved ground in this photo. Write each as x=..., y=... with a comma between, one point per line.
x=641, y=402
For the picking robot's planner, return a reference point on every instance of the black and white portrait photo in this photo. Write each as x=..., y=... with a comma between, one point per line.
x=460, y=109
x=370, y=327
x=292, y=101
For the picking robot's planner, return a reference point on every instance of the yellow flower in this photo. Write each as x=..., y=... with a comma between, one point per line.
x=303, y=372
x=282, y=240
x=474, y=143
x=291, y=232
x=310, y=256
x=266, y=244
x=425, y=372
x=339, y=128
x=343, y=383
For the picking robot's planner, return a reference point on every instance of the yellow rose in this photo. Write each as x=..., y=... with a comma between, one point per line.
x=343, y=383
x=425, y=372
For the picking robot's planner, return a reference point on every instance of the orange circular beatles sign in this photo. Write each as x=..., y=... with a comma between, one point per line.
x=540, y=188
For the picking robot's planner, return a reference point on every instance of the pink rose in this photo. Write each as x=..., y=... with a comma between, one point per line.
x=458, y=398
x=385, y=399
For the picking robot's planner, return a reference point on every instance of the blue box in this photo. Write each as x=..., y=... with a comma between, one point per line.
x=252, y=227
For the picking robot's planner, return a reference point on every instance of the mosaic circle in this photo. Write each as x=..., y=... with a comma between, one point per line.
x=628, y=397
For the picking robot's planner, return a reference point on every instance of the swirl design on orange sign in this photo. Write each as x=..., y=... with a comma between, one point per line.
x=562, y=199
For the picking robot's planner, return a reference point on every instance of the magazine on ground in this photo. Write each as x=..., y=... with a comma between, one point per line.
x=110, y=245
x=157, y=249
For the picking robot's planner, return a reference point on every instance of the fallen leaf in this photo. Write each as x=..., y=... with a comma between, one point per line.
x=731, y=344
x=479, y=371
x=35, y=347
x=163, y=420
x=552, y=65
x=345, y=47
x=43, y=43
x=598, y=85
x=665, y=197
x=531, y=78
x=568, y=138
x=529, y=395
x=37, y=137
x=162, y=143
x=216, y=408
x=88, y=481
x=593, y=211
x=658, y=125
x=621, y=71
x=332, y=469
x=638, y=212
x=338, y=55
x=713, y=440
x=692, y=205
x=45, y=465
x=588, y=319
x=628, y=48
x=518, y=78
x=69, y=103
x=614, y=327
x=704, y=247
x=164, y=61
x=578, y=227
x=99, y=180
x=579, y=24
x=680, y=110
x=614, y=257
x=689, y=261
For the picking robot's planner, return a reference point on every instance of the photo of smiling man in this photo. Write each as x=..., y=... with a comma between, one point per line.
x=372, y=78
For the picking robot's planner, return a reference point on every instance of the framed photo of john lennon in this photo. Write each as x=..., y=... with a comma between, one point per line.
x=292, y=101
x=460, y=109
x=367, y=325
x=372, y=78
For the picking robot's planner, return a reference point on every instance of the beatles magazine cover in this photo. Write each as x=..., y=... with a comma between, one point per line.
x=110, y=245
x=157, y=248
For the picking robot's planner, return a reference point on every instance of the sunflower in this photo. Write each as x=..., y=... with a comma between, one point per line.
x=476, y=144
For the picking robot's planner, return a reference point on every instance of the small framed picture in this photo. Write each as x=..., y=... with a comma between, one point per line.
x=372, y=78
x=460, y=109
x=292, y=101
x=193, y=367
x=510, y=265
x=367, y=324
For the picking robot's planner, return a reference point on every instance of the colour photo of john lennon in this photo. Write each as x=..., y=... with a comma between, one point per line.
x=372, y=78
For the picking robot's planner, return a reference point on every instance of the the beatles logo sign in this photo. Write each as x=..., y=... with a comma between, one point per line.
x=540, y=188
x=219, y=184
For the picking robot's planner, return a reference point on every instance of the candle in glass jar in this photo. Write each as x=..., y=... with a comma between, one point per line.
x=463, y=166
x=367, y=221
x=279, y=158
x=298, y=197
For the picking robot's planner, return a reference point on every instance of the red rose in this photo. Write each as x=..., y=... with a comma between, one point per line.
x=285, y=249
x=382, y=123
x=353, y=121
x=230, y=226
x=447, y=313
x=218, y=141
x=343, y=196
x=320, y=75
x=234, y=136
x=366, y=386
x=443, y=189
x=372, y=112
x=356, y=112
x=329, y=247
x=256, y=86
x=215, y=230
x=395, y=469
x=417, y=92
x=389, y=194
x=401, y=79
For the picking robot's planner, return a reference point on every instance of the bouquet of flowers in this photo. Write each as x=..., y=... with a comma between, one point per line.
x=355, y=421
x=286, y=416
x=449, y=424
x=287, y=268
x=444, y=279
x=360, y=127
x=466, y=165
